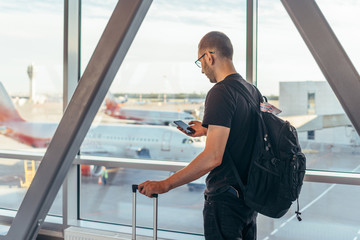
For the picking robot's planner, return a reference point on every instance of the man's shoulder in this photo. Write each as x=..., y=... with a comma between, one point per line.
x=233, y=83
x=218, y=89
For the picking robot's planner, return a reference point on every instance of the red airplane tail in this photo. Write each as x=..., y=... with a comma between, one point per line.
x=111, y=104
x=8, y=111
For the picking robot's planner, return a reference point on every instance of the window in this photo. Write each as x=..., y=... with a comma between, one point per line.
x=311, y=103
x=32, y=76
x=297, y=80
x=311, y=135
x=32, y=51
x=287, y=69
x=156, y=84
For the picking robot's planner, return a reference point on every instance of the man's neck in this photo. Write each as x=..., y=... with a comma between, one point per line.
x=225, y=71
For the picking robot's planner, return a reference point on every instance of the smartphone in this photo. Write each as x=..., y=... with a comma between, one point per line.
x=184, y=126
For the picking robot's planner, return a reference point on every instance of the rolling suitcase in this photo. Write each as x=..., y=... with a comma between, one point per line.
x=155, y=210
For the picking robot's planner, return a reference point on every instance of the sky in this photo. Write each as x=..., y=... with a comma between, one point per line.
x=161, y=58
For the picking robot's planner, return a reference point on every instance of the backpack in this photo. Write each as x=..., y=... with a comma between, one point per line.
x=277, y=166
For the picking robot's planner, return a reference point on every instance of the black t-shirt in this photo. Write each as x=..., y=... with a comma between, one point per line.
x=225, y=106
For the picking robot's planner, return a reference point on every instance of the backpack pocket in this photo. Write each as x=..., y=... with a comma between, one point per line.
x=262, y=184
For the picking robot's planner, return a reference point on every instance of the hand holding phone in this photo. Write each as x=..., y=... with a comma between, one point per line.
x=184, y=127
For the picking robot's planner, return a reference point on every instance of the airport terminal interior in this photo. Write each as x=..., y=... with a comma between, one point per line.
x=89, y=91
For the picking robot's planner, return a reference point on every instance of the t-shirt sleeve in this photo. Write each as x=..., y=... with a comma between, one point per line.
x=219, y=107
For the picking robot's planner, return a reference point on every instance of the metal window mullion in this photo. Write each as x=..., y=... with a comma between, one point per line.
x=72, y=21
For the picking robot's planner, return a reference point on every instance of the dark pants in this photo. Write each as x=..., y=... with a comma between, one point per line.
x=227, y=217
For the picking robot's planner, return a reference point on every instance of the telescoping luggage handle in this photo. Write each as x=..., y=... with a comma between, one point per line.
x=155, y=209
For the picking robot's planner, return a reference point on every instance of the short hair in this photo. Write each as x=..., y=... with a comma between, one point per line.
x=218, y=42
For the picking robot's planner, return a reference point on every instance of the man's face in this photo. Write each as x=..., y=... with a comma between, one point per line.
x=206, y=68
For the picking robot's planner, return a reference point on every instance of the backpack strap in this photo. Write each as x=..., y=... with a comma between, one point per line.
x=251, y=100
x=246, y=94
x=237, y=176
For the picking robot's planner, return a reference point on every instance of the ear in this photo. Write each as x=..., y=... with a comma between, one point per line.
x=210, y=58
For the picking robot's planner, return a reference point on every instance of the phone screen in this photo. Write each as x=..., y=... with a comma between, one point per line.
x=184, y=126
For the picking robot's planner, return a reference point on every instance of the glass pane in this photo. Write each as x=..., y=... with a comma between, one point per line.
x=327, y=211
x=288, y=73
x=31, y=72
x=15, y=179
x=109, y=199
x=343, y=18
x=31, y=88
x=157, y=83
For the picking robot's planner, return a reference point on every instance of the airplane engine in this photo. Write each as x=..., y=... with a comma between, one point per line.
x=91, y=170
x=143, y=153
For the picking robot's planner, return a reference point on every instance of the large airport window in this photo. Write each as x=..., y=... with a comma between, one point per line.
x=288, y=73
x=157, y=83
x=287, y=70
x=30, y=87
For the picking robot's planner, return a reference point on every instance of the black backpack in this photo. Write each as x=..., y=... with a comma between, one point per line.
x=277, y=166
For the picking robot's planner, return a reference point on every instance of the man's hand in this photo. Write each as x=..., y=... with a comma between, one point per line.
x=199, y=130
x=149, y=188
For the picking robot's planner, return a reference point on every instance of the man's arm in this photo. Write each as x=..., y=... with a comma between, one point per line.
x=207, y=160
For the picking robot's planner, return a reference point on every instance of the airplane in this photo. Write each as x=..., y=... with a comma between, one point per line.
x=114, y=109
x=120, y=140
x=112, y=98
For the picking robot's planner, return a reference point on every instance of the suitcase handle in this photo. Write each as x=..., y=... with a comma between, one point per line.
x=155, y=221
x=135, y=188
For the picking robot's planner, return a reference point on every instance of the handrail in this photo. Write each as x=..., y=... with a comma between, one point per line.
x=311, y=175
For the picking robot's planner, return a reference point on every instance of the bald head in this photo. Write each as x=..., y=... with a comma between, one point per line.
x=218, y=42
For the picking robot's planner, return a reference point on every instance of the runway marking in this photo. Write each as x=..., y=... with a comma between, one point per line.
x=301, y=210
x=356, y=238
x=309, y=205
x=355, y=169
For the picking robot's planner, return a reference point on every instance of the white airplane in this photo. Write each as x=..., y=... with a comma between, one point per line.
x=114, y=109
x=120, y=140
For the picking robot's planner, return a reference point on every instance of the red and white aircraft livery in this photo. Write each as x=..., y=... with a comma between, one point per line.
x=114, y=109
x=118, y=140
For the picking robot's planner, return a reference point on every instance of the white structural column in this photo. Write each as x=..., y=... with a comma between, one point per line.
x=329, y=54
x=72, y=27
x=76, y=121
x=251, y=41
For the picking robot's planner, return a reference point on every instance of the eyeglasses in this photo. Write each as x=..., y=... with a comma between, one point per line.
x=198, y=62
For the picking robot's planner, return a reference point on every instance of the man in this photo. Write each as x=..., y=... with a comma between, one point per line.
x=230, y=127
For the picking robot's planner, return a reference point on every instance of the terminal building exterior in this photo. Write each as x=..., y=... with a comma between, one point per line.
x=299, y=99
